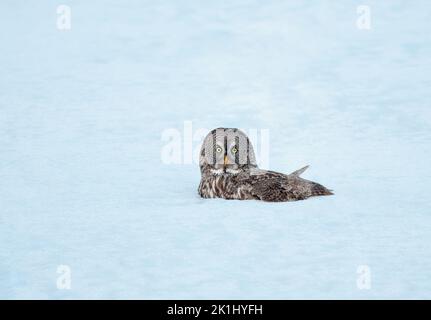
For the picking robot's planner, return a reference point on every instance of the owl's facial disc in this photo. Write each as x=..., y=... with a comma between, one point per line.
x=225, y=158
x=226, y=151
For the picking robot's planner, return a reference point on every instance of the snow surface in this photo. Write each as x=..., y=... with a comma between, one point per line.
x=82, y=182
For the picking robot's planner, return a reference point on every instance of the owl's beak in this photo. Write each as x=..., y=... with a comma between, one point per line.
x=225, y=160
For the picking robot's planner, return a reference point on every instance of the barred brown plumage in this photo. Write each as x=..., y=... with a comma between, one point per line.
x=229, y=170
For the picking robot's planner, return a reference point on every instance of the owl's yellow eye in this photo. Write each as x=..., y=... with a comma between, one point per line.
x=234, y=150
x=218, y=149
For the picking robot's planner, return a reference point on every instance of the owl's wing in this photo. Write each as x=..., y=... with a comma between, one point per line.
x=275, y=187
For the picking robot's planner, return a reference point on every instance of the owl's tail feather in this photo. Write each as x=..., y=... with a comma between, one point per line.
x=319, y=190
x=314, y=189
x=298, y=172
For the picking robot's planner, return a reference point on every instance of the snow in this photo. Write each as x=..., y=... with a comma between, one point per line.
x=83, y=184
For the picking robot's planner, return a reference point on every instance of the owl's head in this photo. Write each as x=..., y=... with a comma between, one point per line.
x=226, y=151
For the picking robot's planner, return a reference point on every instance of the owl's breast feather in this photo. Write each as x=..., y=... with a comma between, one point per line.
x=224, y=186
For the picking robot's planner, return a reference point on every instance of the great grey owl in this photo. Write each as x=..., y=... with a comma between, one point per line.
x=228, y=168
